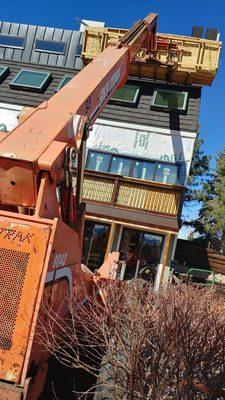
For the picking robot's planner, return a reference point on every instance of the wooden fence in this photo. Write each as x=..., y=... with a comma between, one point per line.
x=199, y=257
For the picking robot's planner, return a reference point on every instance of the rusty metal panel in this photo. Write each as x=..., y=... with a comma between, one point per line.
x=23, y=247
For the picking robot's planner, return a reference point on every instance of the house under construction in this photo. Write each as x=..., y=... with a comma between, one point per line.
x=140, y=150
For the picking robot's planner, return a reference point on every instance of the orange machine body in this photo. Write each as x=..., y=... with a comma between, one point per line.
x=41, y=218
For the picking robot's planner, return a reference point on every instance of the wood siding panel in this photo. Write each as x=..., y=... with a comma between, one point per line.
x=199, y=257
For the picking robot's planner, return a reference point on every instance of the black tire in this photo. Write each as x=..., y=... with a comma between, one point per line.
x=104, y=385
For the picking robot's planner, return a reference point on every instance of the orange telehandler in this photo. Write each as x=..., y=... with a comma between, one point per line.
x=42, y=215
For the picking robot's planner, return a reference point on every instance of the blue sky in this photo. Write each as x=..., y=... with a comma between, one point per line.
x=176, y=16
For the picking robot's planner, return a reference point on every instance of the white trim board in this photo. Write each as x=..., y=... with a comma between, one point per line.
x=13, y=107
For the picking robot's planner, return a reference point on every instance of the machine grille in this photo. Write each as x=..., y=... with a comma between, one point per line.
x=13, y=265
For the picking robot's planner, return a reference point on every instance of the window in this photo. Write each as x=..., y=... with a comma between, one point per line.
x=79, y=50
x=98, y=161
x=166, y=173
x=128, y=94
x=63, y=82
x=144, y=170
x=27, y=79
x=143, y=251
x=3, y=72
x=14, y=42
x=170, y=100
x=140, y=169
x=120, y=166
x=50, y=46
x=94, y=244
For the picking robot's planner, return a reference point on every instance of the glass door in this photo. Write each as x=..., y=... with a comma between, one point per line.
x=143, y=252
x=94, y=244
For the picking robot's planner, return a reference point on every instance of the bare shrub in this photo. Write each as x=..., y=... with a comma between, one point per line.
x=144, y=345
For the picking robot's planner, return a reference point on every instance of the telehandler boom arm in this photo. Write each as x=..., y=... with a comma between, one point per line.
x=41, y=219
x=37, y=142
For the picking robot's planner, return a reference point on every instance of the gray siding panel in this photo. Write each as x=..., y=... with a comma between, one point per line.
x=22, y=31
x=31, y=33
x=5, y=28
x=58, y=33
x=48, y=35
x=78, y=62
x=13, y=31
x=35, y=55
x=43, y=59
x=2, y=50
x=143, y=114
x=13, y=28
x=73, y=45
x=61, y=62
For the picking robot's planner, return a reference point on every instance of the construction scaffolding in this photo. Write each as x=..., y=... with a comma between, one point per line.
x=178, y=59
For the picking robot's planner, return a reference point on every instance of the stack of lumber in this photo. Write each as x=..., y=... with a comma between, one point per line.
x=195, y=61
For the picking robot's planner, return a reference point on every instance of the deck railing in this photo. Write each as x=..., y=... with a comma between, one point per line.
x=131, y=193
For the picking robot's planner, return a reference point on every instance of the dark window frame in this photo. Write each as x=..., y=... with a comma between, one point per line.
x=90, y=226
x=4, y=72
x=59, y=87
x=34, y=88
x=132, y=103
x=95, y=151
x=168, y=164
x=133, y=160
x=50, y=51
x=14, y=37
x=145, y=160
x=124, y=157
x=167, y=109
x=125, y=246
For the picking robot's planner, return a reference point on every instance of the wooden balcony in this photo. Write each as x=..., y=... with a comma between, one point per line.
x=133, y=194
